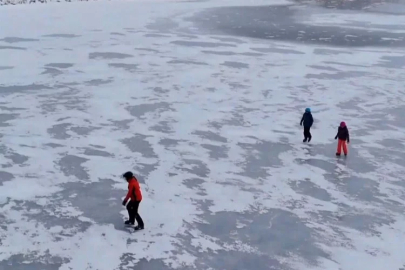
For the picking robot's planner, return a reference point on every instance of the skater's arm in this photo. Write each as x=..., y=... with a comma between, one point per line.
x=130, y=190
x=348, y=137
x=337, y=134
x=302, y=119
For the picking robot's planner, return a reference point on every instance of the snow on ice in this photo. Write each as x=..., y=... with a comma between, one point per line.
x=203, y=104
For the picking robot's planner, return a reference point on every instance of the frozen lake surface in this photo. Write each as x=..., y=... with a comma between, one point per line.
x=202, y=100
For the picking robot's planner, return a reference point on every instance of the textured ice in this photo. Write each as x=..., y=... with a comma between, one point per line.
x=202, y=100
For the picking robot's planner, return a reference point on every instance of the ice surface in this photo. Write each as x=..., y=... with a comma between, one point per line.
x=205, y=109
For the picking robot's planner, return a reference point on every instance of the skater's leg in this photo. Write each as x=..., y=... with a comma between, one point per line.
x=131, y=212
x=309, y=134
x=344, y=147
x=339, y=147
x=305, y=134
x=137, y=216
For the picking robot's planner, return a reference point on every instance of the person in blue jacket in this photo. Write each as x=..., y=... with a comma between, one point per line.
x=307, y=120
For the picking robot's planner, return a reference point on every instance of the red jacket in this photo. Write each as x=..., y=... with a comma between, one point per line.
x=134, y=191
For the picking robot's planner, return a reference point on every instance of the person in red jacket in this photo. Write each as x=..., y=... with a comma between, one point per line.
x=343, y=136
x=135, y=194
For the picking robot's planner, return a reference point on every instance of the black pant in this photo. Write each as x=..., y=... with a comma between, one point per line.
x=307, y=133
x=132, y=208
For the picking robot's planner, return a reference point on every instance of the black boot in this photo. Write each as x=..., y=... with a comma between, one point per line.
x=304, y=140
x=138, y=228
x=128, y=223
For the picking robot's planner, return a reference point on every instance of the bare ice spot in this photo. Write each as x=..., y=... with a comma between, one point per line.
x=17, y=39
x=276, y=50
x=261, y=156
x=275, y=234
x=5, y=117
x=306, y=187
x=226, y=39
x=95, y=152
x=139, y=144
x=11, y=48
x=32, y=261
x=156, y=35
x=83, y=130
x=117, y=34
x=87, y=199
x=109, y=55
x=127, y=67
x=337, y=76
x=147, y=50
x=59, y=65
x=330, y=52
x=226, y=53
x=97, y=82
x=162, y=126
x=169, y=142
x=201, y=44
x=209, y=135
x=199, y=168
x=5, y=176
x=142, y=109
x=215, y=151
x=71, y=165
x=186, y=62
x=5, y=67
x=52, y=71
x=392, y=62
x=59, y=131
x=323, y=68
x=62, y=35
x=235, y=64
x=19, y=88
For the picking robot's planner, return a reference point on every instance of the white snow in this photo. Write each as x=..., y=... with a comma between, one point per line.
x=170, y=207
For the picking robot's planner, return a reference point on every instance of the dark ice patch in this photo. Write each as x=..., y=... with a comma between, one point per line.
x=83, y=130
x=12, y=48
x=201, y=44
x=199, y=168
x=235, y=64
x=162, y=126
x=71, y=165
x=109, y=55
x=98, y=82
x=215, y=151
x=5, y=117
x=95, y=152
x=392, y=62
x=59, y=65
x=127, y=67
x=18, y=39
x=142, y=109
x=209, y=135
x=59, y=131
x=18, y=88
x=169, y=142
x=139, y=144
x=275, y=233
x=187, y=62
x=32, y=261
x=86, y=197
x=323, y=68
x=52, y=71
x=5, y=67
x=338, y=75
x=225, y=53
x=5, y=176
x=156, y=35
x=261, y=156
x=276, y=50
x=62, y=35
x=330, y=52
x=117, y=34
x=308, y=188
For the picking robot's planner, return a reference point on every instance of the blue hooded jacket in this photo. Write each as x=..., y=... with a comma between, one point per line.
x=307, y=119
